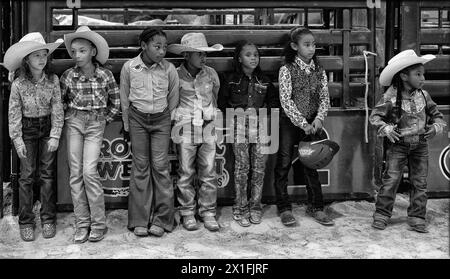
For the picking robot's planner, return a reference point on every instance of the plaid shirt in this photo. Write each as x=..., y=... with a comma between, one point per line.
x=82, y=93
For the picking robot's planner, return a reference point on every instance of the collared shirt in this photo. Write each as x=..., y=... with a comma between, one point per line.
x=97, y=92
x=150, y=89
x=286, y=94
x=418, y=109
x=198, y=95
x=241, y=91
x=35, y=99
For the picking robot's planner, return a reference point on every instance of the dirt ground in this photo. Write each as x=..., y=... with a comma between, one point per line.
x=351, y=237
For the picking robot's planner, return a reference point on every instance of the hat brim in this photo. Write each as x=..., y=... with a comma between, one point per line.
x=391, y=69
x=18, y=51
x=99, y=42
x=178, y=48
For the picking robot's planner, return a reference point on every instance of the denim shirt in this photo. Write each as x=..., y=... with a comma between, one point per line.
x=240, y=91
x=418, y=111
x=35, y=99
x=198, y=95
x=150, y=89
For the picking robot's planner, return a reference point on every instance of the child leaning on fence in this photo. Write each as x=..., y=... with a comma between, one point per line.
x=247, y=88
x=194, y=116
x=91, y=97
x=35, y=122
x=149, y=93
x=407, y=117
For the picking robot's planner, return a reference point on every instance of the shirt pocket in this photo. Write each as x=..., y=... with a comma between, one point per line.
x=100, y=96
x=160, y=87
x=137, y=85
x=261, y=88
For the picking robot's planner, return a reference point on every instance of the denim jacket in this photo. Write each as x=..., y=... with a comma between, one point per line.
x=240, y=91
x=418, y=111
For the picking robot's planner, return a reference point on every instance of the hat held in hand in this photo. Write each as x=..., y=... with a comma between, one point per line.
x=317, y=154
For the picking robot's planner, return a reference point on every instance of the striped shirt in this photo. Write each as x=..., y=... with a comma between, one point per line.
x=95, y=93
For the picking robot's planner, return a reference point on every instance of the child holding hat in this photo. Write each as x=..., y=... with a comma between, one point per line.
x=149, y=93
x=91, y=97
x=36, y=119
x=199, y=87
x=407, y=116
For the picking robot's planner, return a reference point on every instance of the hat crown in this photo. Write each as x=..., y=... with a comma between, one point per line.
x=194, y=40
x=33, y=37
x=409, y=53
x=83, y=28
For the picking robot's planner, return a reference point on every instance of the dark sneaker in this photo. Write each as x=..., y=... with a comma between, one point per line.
x=211, y=223
x=97, y=234
x=379, y=224
x=287, y=218
x=81, y=235
x=421, y=228
x=320, y=217
x=140, y=231
x=190, y=223
x=27, y=233
x=156, y=231
x=255, y=216
x=242, y=220
x=49, y=230
x=417, y=224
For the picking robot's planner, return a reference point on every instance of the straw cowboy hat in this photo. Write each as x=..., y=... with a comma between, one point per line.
x=29, y=43
x=84, y=32
x=193, y=42
x=400, y=61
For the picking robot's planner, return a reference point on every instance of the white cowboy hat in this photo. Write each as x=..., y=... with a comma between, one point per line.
x=31, y=42
x=84, y=32
x=400, y=61
x=193, y=42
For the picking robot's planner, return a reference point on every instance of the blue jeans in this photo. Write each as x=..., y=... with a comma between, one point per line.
x=151, y=199
x=398, y=155
x=84, y=140
x=201, y=157
x=35, y=134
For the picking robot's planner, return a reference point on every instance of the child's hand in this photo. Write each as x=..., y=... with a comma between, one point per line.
x=430, y=133
x=317, y=124
x=391, y=134
x=309, y=129
x=53, y=144
x=22, y=152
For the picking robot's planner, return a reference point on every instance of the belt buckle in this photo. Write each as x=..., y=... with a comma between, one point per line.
x=411, y=139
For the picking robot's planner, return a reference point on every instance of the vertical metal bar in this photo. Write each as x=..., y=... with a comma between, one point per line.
x=2, y=14
x=235, y=17
x=372, y=24
x=390, y=30
x=326, y=19
x=345, y=58
x=305, y=22
x=126, y=16
x=410, y=26
x=74, y=18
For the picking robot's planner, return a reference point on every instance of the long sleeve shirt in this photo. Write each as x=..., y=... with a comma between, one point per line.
x=35, y=99
x=295, y=90
x=95, y=93
x=418, y=110
x=198, y=95
x=149, y=89
x=240, y=91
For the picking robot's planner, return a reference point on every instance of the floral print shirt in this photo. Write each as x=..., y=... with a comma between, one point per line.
x=287, y=94
x=34, y=99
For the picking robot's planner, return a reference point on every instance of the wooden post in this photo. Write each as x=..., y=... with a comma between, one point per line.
x=345, y=57
x=410, y=26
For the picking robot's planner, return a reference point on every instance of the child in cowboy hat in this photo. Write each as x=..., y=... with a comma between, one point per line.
x=91, y=97
x=149, y=93
x=199, y=87
x=407, y=116
x=35, y=122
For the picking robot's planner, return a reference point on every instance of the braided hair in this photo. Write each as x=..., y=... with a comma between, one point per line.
x=398, y=84
x=149, y=33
